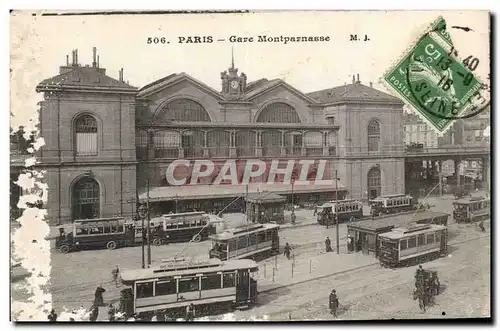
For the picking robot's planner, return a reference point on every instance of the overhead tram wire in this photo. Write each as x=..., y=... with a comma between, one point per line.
x=422, y=203
x=208, y=223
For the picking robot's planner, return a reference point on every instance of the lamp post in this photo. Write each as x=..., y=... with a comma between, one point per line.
x=141, y=211
x=293, y=206
x=336, y=207
x=148, y=210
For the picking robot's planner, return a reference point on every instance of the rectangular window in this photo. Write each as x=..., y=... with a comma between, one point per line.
x=165, y=287
x=253, y=239
x=404, y=244
x=438, y=236
x=86, y=143
x=421, y=239
x=412, y=242
x=430, y=238
x=190, y=284
x=98, y=230
x=242, y=242
x=232, y=246
x=228, y=280
x=210, y=282
x=261, y=236
x=145, y=290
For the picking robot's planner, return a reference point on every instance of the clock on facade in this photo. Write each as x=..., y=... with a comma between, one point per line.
x=234, y=84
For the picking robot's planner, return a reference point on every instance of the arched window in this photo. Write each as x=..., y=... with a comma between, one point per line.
x=86, y=199
x=278, y=112
x=373, y=135
x=374, y=183
x=183, y=110
x=86, y=135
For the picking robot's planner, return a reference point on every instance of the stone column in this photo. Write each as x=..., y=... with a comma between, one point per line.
x=457, y=170
x=205, y=144
x=326, y=150
x=151, y=149
x=303, y=151
x=440, y=174
x=232, y=140
x=258, y=143
x=283, y=149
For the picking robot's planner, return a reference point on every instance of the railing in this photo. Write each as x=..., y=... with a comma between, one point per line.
x=365, y=152
x=449, y=150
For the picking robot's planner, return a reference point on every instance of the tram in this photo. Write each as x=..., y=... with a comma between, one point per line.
x=471, y=209
x=404, y=246
x=252, y=241
x=180, y=227
x=391, y=204
x=347, y=210
x=212, y=286
x=96, y=233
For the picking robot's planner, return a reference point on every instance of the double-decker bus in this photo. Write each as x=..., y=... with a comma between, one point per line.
x=347, y=210
x=391, y=204
x=413, y=244
x=212, y=286
x=97, y=233
x=181, y=227
x=471, y=209
x=253, y=241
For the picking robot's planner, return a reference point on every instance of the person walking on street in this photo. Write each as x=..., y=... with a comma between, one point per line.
x=94, y=313
x=52, y=317
x=350, y=244
x=315, y=211
x=116, y=275
x=190, y=313
x=111, y=312
x=333, y=303
x=287, y=251
x=328, y=244
x=98, y=299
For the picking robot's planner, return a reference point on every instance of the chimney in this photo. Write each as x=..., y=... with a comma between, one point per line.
x=73, y=57
x=67, y=60
x=371, y=84
x=121, y=75
x=76, y=57
x=358, y=81
x=353, y=79
x=97, y=61
x=94, y=62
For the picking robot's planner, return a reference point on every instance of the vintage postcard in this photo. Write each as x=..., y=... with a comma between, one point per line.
x=250, y=166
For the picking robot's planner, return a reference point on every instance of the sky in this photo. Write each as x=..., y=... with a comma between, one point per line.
x=39, y=45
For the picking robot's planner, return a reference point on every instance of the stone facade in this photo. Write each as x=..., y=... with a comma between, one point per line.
x=137, y=139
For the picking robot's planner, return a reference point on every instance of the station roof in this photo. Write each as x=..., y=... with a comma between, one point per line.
x=200, y=192
x=78, y=77
x=265, y=197
x=352, y=92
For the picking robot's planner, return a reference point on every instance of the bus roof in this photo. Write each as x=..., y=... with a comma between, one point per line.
x=186, y=268
x=467, y=201
x=415, y=230
x=243, y=231
x=95, y=220
x=191, y=213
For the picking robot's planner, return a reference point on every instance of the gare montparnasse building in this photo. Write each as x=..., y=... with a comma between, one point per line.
x=105, y=139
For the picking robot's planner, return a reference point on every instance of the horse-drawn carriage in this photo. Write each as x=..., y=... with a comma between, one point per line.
x=426, y=287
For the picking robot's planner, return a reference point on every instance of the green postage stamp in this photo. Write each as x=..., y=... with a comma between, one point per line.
x=435, y=83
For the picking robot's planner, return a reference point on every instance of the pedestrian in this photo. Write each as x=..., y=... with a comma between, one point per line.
x=481, y=226
x=190, y=312
x=98, y=299
x=294, y=218
x=328, y=244
x=52, y=317
x=116, y=274
x=350, y=246
x=315, y=211
x=333, y=303
x=111, y=312
x=287, y=251
x=94, y=313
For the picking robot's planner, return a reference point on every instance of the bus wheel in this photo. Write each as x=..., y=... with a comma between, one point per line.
x=157, y=241
x=64, y=249
x=197, y=238
x=111, y=245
